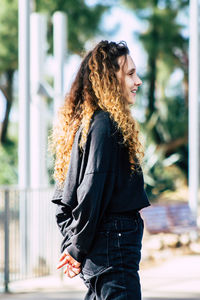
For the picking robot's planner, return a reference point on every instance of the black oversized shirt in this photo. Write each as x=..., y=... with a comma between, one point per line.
x=98, y=181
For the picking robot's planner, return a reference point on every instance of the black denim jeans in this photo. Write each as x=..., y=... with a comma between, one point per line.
x=110, y=270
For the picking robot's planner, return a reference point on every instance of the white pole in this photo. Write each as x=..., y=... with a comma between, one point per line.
x=59, y=49
x=24, y=94
x=194, y=99
x=24, y=128
x=38, y=128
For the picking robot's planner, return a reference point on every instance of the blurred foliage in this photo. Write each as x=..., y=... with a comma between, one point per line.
x=156, y=179
x=83, y=24
x=162, y=164
x=166, y=117
x=163, y=41
x=83, y=20
x=8, y=35
x=8, y=162
x=50, y=159
x=8, y=55
x=165, y=124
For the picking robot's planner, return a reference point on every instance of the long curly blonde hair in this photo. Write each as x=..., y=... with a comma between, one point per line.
x=95, y=87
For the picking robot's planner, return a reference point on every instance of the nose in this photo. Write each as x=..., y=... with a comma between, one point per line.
x=138, y=81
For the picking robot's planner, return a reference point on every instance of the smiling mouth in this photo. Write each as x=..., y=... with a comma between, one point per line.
x=133, y=91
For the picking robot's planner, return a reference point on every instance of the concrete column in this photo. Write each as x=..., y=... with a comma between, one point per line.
x=24, y=94
x=194, y=111
x=60, y=52
x=24, y=124
x=38, y=142
x=39, y=177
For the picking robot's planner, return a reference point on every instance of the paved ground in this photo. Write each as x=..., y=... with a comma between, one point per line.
x=72, y=296
x=178, y=278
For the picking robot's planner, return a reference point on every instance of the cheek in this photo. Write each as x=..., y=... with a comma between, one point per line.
x=128, y=83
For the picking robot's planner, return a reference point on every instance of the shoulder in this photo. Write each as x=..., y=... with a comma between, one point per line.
x=101, y=123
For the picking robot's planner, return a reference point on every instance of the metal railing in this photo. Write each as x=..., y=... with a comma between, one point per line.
x=29, y=237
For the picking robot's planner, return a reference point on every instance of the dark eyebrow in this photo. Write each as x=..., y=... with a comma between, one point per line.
x=131, y=70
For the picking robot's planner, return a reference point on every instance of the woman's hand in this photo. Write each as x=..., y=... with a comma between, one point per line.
x=73, y=266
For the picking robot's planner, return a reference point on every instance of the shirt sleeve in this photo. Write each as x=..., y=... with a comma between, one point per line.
x=63, y=215
x=95, y=189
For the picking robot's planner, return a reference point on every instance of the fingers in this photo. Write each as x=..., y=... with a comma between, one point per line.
x=74, y=262
x=73, y=266
x=64, y=262
x=71, y=272
x=68, y=260
x=76, y=270
x=64, y=254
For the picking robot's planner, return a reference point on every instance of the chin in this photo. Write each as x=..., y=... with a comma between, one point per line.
x=131, y=101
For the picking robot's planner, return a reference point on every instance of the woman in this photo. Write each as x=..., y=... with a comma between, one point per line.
x=99, y=180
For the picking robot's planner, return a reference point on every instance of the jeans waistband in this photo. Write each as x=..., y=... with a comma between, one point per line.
x=120, y=221
x=121, y=215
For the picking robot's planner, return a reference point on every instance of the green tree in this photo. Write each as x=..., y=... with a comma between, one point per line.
x=83, y=20
x=167, y=50
x=83, y=24
x=163, y=40
x=8, y=55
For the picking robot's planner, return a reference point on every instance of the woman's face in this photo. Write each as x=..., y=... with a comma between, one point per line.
x=128, y=77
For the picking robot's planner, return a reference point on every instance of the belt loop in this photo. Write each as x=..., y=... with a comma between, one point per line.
x=116, y=221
